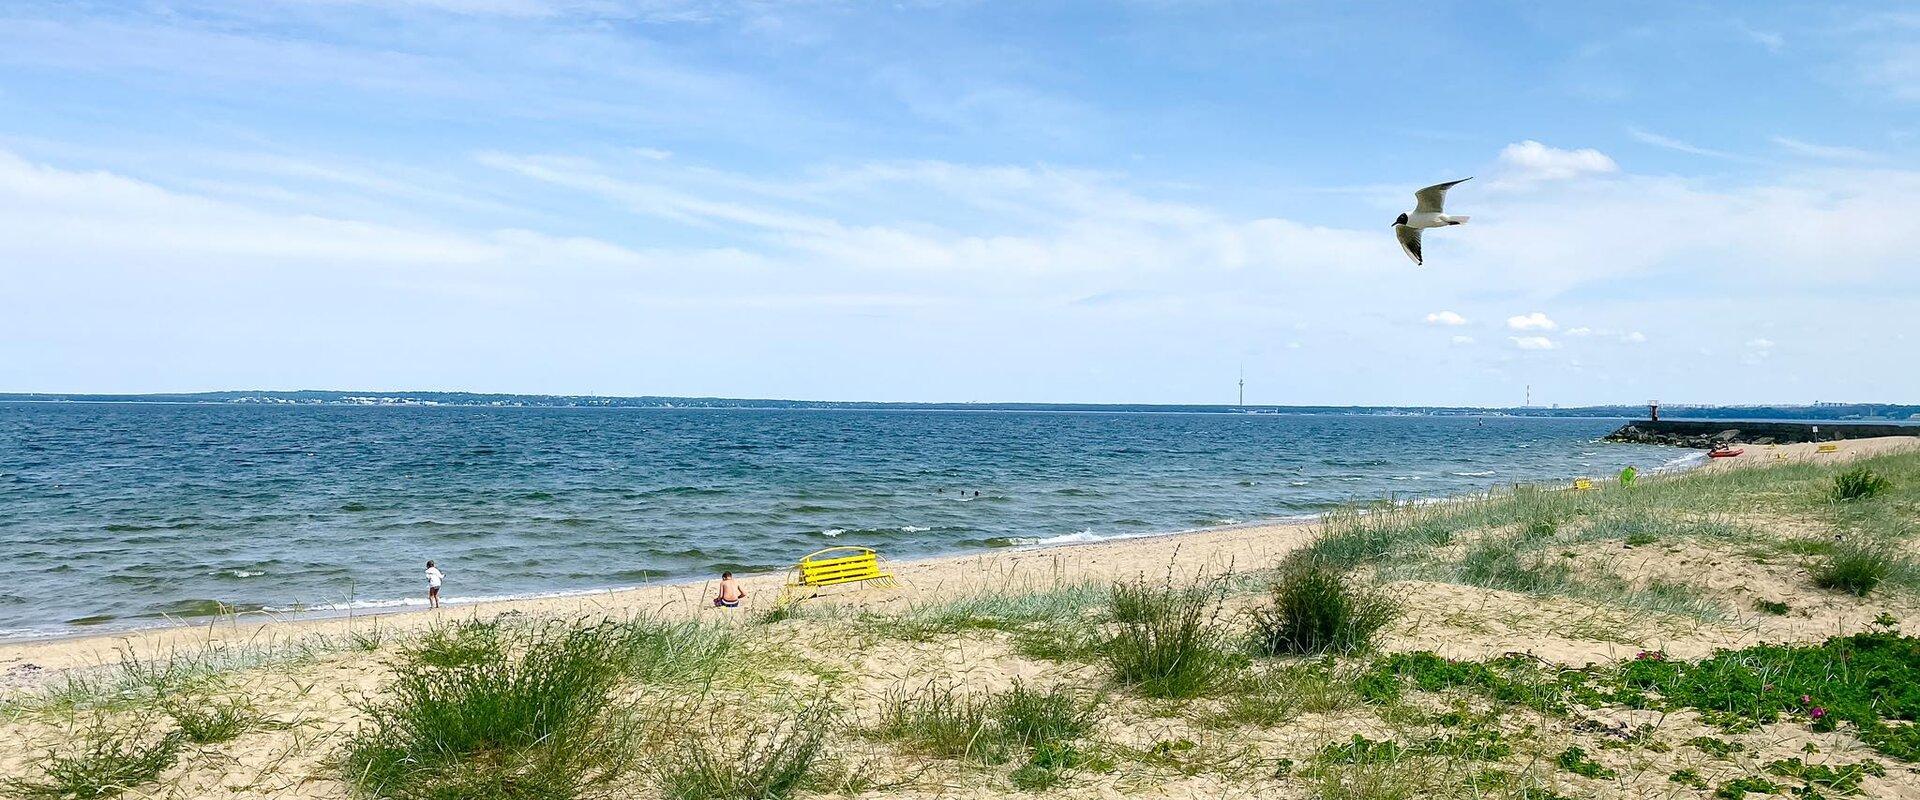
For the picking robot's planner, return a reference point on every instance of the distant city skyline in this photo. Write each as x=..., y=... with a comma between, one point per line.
x=1126, y=202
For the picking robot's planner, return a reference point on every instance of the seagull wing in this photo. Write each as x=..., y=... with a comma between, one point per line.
x=1409, y=242
x=1430, y=199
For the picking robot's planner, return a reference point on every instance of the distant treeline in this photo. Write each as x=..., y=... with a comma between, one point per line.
x=1825, y=411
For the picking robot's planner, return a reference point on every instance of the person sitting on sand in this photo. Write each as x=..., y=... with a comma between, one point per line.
x=433, y=585
x=730, y=592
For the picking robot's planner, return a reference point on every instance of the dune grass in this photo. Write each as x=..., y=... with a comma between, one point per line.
x=1854, y=567
x=1858, y=483
x=772, y=764
x=1315, y=609
x=529, y=718
x=1172, y=641
x=106, y=763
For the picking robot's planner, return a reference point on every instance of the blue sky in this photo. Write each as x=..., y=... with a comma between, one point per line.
x=1105, y=202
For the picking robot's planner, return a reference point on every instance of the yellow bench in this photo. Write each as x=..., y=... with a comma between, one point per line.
x=1827, y=448
x=838, y=565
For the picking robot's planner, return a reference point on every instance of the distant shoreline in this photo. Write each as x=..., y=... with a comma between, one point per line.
x=1879, y=413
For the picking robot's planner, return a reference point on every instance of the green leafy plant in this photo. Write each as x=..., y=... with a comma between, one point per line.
x=1774, y=607
x=1575, y=760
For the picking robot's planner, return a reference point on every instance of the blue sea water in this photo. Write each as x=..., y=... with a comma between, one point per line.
x=127, y=514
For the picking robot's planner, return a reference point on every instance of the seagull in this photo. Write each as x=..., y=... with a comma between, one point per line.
x=1425, y=214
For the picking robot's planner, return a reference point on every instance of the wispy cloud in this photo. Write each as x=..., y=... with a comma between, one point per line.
x=1677, y=145
x=1831, y=152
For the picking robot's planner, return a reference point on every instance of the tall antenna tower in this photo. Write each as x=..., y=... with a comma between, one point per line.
x=1243, y=386
x=1529, y=395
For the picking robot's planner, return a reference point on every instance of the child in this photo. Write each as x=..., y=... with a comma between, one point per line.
x=730, y=592
x=433, y=585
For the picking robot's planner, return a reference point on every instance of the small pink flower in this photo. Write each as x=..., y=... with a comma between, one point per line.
x=1817, y=712
x=1805, y=699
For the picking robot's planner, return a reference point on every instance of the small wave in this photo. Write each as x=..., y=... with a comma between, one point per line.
x=913, y=529
x=353, y=507
x=239, y=573
x=1485, y=473
x=1011, y=541
x=832, y=532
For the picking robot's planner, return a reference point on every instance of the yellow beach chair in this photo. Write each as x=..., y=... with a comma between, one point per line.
x=836, y=566
x=1827, y=448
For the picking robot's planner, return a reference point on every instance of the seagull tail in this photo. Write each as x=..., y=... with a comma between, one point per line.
x=1457, y=220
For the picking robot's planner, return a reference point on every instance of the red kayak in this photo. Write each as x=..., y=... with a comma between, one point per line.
x=1725, y=453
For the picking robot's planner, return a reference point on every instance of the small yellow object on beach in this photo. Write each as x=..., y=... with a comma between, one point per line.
x=1582, y=484
x=1827, y=448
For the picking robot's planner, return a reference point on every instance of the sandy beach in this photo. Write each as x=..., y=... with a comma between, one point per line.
x=308, y=676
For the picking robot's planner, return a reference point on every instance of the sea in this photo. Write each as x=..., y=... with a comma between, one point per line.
x=118, y=515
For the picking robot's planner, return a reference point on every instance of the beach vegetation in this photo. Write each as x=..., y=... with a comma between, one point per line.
x=1858, y=483
x=106, y=762
x=211, y=721
x=530, y=719
x=1278, y=694
x=939, y=721
x=1316, y=609
x=771, y=764
x=1854, y=567
x=1772, y=607
x=1173, y=641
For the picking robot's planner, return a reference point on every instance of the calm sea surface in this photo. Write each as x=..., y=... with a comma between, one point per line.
x=115, y=515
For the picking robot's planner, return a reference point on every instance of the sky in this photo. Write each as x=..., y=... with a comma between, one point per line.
x=963, y=201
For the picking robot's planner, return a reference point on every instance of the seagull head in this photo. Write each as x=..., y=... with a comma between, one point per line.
x=1401, y=220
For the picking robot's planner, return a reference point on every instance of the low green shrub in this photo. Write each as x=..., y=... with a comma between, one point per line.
x=1315, y=609
x=1575, y=760
x=1774, y=607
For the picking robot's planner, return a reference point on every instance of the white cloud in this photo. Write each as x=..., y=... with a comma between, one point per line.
x=1462, y=340
x=1447, y=318
x=1822, y=150
x=1532, y=162
x=1535, y=321
x=1532, y=342
x=1676, y=145
x=1760, y=344
x=1580, y=331
x=1634, y=337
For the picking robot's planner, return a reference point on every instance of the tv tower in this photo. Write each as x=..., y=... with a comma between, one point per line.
x=1243, y=386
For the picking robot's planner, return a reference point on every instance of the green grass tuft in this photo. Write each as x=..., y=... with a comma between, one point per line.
x=1171, y=643
x=1858, y=483
x=1854, y=568
x=496, y=714
x=1315, y=610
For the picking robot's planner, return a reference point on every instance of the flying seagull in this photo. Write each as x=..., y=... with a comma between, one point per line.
x=1425, y=214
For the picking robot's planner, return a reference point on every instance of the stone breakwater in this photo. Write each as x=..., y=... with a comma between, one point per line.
x=1705, y=433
